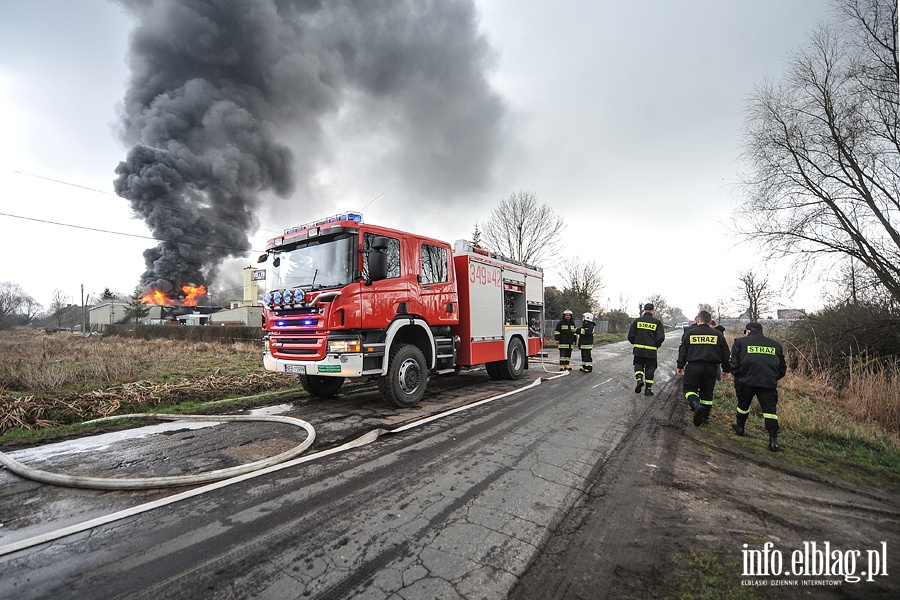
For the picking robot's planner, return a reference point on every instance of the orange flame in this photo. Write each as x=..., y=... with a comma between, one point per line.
x=155, y=297
x=191, y=295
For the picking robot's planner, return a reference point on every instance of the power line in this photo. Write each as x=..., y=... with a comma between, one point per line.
x=154, y=202
x=84, y=187
x=134, y=235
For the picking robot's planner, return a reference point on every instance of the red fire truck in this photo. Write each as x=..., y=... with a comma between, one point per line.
x=347, y=299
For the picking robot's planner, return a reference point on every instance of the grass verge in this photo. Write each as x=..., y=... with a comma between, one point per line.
x=817, y=435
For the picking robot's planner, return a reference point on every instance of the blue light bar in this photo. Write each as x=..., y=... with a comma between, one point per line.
x=347, y=216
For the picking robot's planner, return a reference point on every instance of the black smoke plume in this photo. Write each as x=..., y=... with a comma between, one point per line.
x=216, y=84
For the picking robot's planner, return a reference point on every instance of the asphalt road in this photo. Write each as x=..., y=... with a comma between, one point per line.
x=459, y=507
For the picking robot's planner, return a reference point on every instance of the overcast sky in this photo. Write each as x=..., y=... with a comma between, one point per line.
x=624, y=116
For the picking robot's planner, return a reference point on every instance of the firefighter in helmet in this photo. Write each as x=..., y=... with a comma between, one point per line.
x=565, y=339
x=586, y=341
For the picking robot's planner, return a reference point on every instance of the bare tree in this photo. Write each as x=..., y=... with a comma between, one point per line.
x=624, y=301
x=581, y=293
x=707, y=307
x=30, y=308
x=523, y=229
x=855, y=285
x=756, y=293
x=824, y=148
x=660, y=305
x=59, y=302
x=11, y=299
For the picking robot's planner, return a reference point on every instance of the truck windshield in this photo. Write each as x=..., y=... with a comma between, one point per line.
x=317, y=264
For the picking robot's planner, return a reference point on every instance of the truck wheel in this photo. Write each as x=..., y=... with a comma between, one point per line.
x=404, y=384
x=323, y=387
x=514, y=365
x=493, y=369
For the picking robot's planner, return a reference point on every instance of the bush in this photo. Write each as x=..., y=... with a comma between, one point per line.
x=838, y=338
x=851, y=355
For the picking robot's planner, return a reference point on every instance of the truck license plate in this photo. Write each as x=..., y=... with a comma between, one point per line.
x=301, y=369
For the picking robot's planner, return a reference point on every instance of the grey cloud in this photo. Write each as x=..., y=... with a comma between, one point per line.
x=215, y=82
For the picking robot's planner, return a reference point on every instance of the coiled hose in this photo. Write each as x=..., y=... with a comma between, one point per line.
x=140, y=483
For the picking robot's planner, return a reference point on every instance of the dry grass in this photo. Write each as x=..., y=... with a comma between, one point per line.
x=869, y=397
x=869, y=401
x=50, y=379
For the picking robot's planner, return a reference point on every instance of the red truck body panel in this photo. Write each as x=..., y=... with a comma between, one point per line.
x=436, y=293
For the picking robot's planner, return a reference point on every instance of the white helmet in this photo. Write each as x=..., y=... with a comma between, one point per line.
x=587, y=317
x=567, y=312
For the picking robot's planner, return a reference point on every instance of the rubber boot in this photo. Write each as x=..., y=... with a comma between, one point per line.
x=702, y=415
x=738, y=425
x=773, y=441
x=639, y=386
x=648, y=391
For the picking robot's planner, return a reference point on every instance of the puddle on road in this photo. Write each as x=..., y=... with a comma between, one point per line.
x=272, y=410
x=103, y=441
x=95, y=443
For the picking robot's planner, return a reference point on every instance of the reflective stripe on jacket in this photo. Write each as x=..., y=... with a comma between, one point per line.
x=647, y=333
x=565, y=333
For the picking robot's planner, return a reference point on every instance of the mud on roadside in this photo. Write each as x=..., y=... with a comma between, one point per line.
x=669, y=513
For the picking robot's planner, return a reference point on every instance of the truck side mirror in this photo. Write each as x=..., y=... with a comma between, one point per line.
x=378, y=259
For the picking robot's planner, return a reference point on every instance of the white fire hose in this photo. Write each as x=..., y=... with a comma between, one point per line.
x=140, y=483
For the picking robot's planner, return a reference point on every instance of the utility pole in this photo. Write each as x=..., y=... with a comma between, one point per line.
x=83, y=328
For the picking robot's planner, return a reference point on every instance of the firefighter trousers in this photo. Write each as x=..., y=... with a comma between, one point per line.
x=645, y=369
x=565, y=355
x=768, y=402
x=587, y=364
x=699, y=382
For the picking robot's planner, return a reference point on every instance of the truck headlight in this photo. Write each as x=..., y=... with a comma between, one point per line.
x=343, y=346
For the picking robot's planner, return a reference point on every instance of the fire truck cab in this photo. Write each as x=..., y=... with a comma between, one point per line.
x=347, y=299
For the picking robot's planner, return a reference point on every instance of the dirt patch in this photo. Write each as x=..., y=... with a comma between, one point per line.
x=669, y=513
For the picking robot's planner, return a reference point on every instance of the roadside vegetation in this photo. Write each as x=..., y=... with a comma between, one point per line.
x=839, y=413
x=50, y=383
x=838, y=407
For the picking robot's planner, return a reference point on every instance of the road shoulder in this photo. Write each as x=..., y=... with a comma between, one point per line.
x=670, y=511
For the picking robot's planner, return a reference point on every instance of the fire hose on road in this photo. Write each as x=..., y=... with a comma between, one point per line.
x=142, y=483
x=214, y=479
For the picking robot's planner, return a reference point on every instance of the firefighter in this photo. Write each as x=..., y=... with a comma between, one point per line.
x=702, y=348
x=646, y=334
x=757, y=363
x=586, y=341
x=565, y=338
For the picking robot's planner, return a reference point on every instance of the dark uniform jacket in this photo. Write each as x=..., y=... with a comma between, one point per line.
x=565, y=333
x=757, y=361
x=702, y=343
x=586, y=335
x=646, y=333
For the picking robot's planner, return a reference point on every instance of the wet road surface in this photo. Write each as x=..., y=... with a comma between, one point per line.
x=455, y=508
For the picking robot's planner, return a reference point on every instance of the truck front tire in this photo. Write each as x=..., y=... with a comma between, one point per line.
x=404, y=383
x=323, y=387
